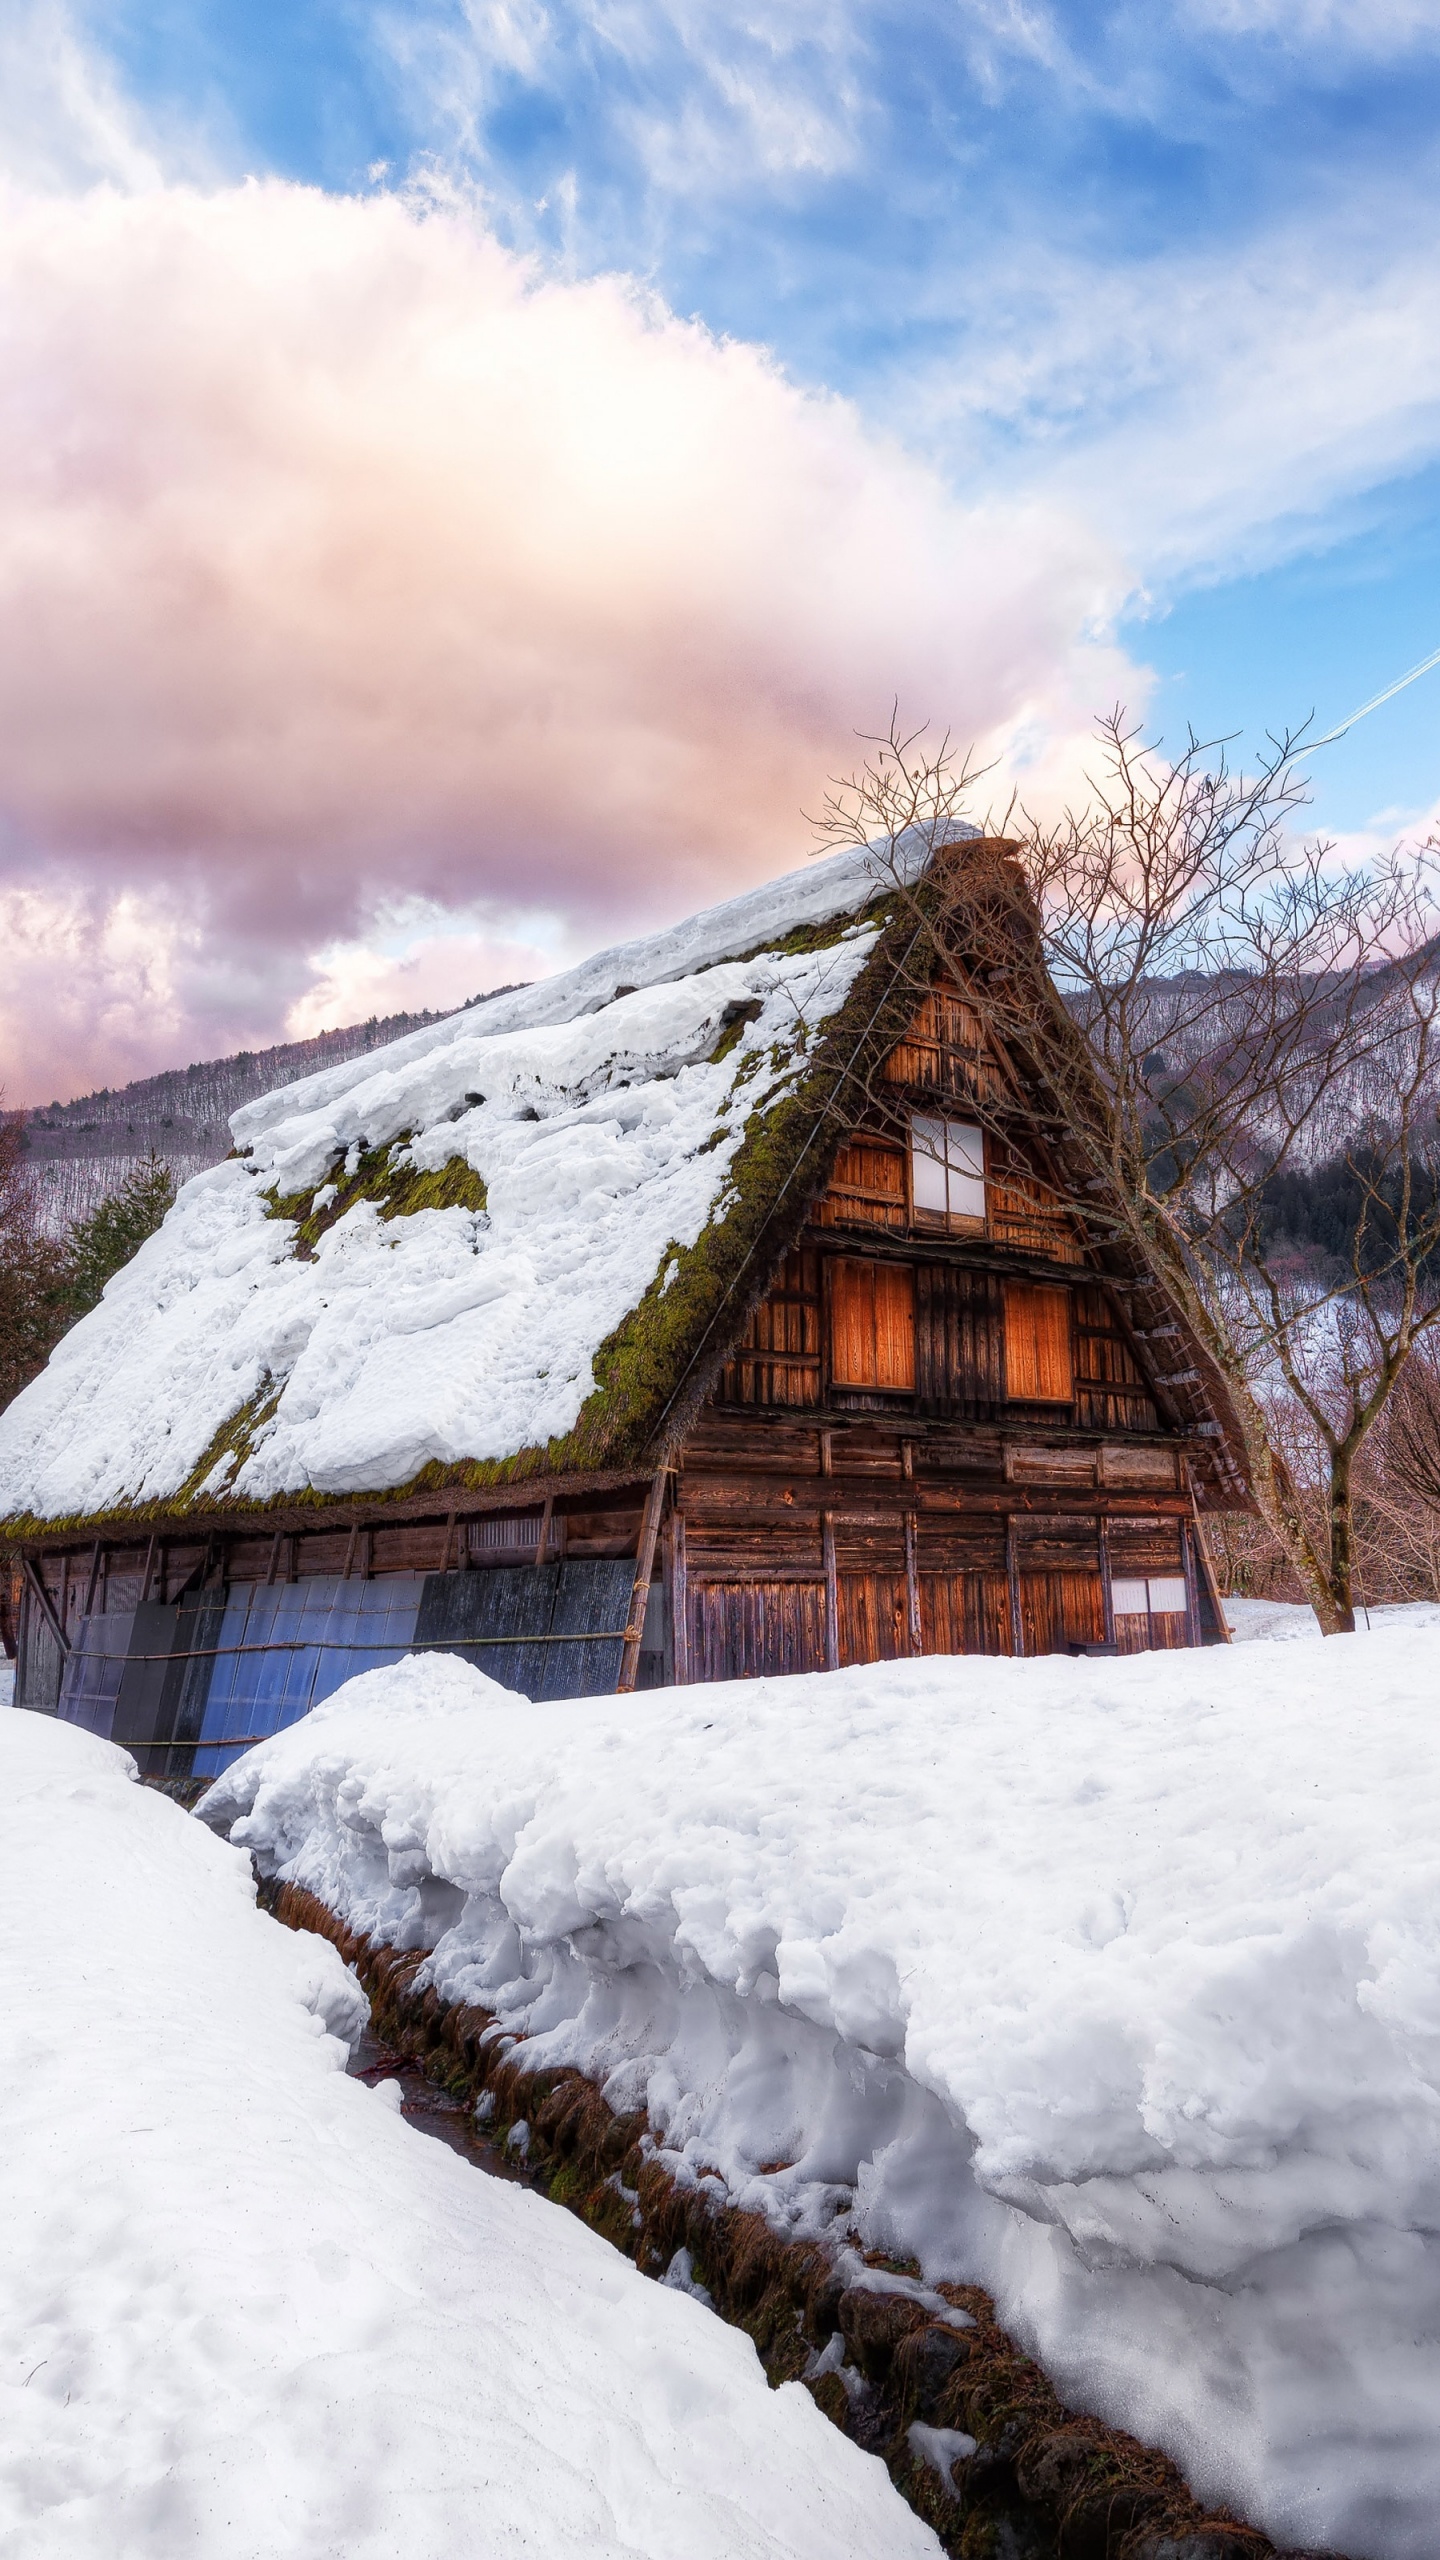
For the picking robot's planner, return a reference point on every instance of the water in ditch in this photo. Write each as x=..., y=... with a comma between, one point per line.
x=434, y=2111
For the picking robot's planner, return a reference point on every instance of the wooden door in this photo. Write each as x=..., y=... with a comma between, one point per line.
x=746, y=1630
x=965, y=1612
x=1058, y=1610
x=872, y=1617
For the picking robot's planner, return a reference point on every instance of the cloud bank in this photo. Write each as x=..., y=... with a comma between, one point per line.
x=351, y=572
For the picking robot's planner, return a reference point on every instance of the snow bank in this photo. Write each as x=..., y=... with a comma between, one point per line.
x=1283, y=1621
x=245, y=2309
x=1113, y=1986
x=604, y=1131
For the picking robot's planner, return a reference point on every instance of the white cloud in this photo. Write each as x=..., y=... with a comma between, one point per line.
x=344, y=559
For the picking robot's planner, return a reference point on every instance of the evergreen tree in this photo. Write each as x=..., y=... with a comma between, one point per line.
x=34, y=1296
x=100, y=1245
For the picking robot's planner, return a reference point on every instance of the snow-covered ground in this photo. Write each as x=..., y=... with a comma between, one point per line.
x=245, y=2309
x=1112, y=1985
x=1280, y=1621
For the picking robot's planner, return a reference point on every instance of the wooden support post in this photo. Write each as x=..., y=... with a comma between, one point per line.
x=94, y=1579
x=350, y=1550
x=832, y=1592
x=542, y=1539
x=1192, y=1587
x=163, y=1594
x=1107, y=1591
x=914, y=1629
x=36, y=1582
x=679, y=1602
x=367, y=1554
x=1012, y=1577
x=145, y=1575
x=1205, y=1567
x=274, y=1558
x=640, y=1589
x=446, y=1550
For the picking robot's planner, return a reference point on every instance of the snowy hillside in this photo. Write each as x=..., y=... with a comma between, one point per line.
x=1109, y=1985
x=245, y=2309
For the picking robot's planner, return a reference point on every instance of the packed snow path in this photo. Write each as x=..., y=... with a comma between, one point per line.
x=1111, y=1986
x=245, y=2310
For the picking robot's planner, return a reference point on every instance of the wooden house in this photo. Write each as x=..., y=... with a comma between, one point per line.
x=697, y=1315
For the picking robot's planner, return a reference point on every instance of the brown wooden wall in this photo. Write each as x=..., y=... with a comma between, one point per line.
x=947, y=1339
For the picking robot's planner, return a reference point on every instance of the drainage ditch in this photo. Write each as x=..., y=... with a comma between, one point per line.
x=972, y=2434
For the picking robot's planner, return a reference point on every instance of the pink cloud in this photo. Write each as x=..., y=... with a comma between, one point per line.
x=344, y=559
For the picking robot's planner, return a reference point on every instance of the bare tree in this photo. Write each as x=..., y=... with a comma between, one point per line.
x=1213, y=1006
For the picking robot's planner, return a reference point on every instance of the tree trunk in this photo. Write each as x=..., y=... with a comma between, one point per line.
x=1342, y=1543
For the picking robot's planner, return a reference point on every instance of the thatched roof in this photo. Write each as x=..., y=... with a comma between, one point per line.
x=508, y=1248
x=481, y=1255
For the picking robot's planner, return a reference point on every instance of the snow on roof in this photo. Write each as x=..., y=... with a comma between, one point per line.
x=419, y=1257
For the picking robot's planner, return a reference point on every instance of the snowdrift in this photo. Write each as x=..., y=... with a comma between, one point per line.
x=1111, y=1986
x=245, y=2309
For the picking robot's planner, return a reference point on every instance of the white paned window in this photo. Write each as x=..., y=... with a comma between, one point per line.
x=1167, y=1595
x=1161, y=1597
x=947, y=1167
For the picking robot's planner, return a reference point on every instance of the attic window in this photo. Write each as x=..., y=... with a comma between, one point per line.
x=947, y=1168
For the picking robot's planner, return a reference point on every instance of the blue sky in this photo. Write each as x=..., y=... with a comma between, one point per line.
x=896, y=199
x=1085, y=350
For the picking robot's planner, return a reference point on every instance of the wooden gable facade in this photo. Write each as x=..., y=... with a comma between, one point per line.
x=937, y=1431
x=946, y=1424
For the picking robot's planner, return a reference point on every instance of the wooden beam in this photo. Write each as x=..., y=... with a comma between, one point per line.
x=679, y=1600
x=1106, y=1591
x=542, y=1538
x=832, y=1592
x=1012, y=1579
x=95, y=1562
x=36, y=1582
x=912, y=1589
x=1203, y=1565
x=640, y=1589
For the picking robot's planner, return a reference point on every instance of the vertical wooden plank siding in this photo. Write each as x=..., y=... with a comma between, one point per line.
x=1038, y=1364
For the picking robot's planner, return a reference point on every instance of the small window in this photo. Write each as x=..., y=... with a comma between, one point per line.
x=1038, y=1366
x=947, y=1168
x=872, y=1326
x=1162, y=1596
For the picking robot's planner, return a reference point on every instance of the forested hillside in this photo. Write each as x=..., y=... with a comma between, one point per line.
x=79, y=1152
